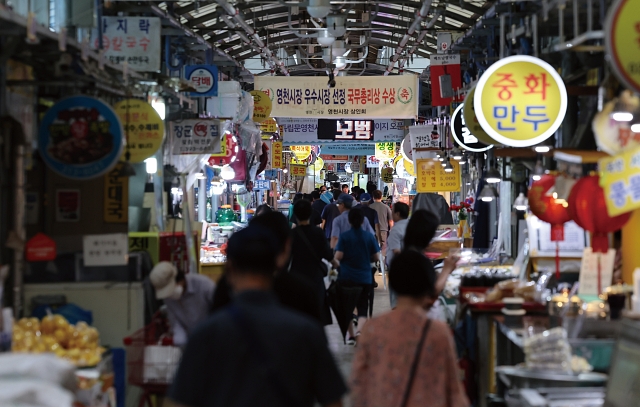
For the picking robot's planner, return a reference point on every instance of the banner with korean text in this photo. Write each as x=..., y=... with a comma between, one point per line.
x=195, y=136
x=353, y=97
x=311, y=131
x=135, y=40
x=620, y=179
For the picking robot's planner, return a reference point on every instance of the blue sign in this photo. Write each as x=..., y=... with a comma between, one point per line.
x=81, y=138
x=203, y=78
x=261, y=185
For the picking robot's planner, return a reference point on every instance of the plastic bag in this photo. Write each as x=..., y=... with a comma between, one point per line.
x=16, y=392
x=43, y=367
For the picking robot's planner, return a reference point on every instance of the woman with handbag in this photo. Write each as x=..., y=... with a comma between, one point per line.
x=309, y=248
x=403, y=358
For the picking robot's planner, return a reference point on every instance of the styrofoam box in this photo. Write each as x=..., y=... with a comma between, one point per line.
x=229, y=87
x=160, y=363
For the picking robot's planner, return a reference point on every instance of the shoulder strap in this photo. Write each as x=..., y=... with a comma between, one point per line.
x=414, y=365
x=259, y=351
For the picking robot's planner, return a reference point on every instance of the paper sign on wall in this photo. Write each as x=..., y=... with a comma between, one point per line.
x=105, y=250
x=424, y=137
x=591, y=263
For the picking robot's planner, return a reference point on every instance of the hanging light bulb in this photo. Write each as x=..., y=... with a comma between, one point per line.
x=319, y=8
x=443, y=160
x=521, y=203
x=487, y=194
x=538, y=171
x=456, y=154
x=227, y=172
x=285, y=170
x=448, y=167
x=463, y=159
x=492, y=176
x=151, y=165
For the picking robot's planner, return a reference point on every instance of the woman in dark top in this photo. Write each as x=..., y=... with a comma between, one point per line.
x=308, y=248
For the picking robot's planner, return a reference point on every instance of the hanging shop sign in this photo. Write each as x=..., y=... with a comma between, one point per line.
x=613, y=136
x=433, y=178
x=80, y=138
x=620, y=179
x=261, y=185
x=143, y=126
x=262, y=106
x=387, y=175
x=309, y=131
x=67, y=205
x=445, y=78
x=268, y=127
x=229, y=150
x=105, y=250
x=404, y=167
x=134, y=40
x=444, y=42
x=298, y=170
x=301, y=152
x=348, y=149
x=471, y=120
x=116, y=197
x=385, y=151
x=276, y=155
x=520, y=101
x=423, y=137
x=354, y=97
x=462, y=135
x=372, y=162
x=318, y=165
x=202, y=78
x=40, y=248
x=622, y=29
x=334, y=158
x=195, y=136
x=406, y=149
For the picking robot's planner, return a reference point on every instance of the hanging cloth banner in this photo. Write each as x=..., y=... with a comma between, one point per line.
x=195, y=136
x=353, y=97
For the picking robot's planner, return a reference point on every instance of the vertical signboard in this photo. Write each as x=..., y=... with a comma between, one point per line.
x=445, y=78
x=116, y=197
x=134, y=40
x=276, y=154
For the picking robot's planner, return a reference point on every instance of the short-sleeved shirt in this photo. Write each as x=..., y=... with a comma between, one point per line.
x=357, y=246
x=370, y=214
x=395, y=240
x=384, y=215
x=316, y=212
x=219, y=366
x=186, y=313
x=329, y=213
x=341, y=224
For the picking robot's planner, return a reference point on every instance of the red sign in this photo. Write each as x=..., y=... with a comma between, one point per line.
x=441, y=65
x=40, y=248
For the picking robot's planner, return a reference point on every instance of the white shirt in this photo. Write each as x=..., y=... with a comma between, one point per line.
x=395, y=240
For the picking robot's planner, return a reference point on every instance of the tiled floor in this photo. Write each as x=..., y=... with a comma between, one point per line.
x=344, y=353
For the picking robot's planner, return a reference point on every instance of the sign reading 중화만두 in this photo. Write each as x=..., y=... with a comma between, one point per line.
x=353, y=97
x=520, y=101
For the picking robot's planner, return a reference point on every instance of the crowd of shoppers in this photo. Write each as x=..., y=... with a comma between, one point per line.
x=258, y=339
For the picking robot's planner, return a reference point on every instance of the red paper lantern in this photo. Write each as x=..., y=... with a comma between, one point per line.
x=588, y=209
x=547, y=208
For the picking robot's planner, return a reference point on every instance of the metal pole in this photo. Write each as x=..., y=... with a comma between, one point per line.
x=19, y=229
x=502, y=35
x=534, y=23
x=576, y=24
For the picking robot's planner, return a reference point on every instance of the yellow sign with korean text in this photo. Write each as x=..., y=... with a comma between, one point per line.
x=276, y=155
x=520, y=101
x=301, y=152
x=298, y=170
x=143, y=127
x=471, y=120
x=116, y=197
x=622, y=36
x=355, y=97
x=385, y=151
x=268, y=127
x=261, y=106
x=620, y=179
x=318, y=165
x=433, y=178
x=387, y=175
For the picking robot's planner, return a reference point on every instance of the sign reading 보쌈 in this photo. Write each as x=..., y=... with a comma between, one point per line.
x=355, y=97
x=116, y=197
x=195, y=136
x=622, y=30
x=462, y=135
x=433, y=178
x=143, y=126
x=203, y=78
x=620, y=179
x=134, y=40
x=80, y=138
x=310, y=131
x=105, y=250
x=520, y=101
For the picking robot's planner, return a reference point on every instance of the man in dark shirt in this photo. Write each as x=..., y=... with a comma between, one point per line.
x=329, y=213
x=317, y=206
x=256, y=352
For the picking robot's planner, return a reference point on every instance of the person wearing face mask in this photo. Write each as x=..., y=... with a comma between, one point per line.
x=188, y=298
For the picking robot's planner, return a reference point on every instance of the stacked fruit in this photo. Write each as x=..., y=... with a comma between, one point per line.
x=79, y=344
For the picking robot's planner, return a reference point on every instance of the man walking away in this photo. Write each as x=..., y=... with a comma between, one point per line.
x=255, y=352
x=341, y=223
x=329, y=213
x=385, y=217
x=317, y=206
